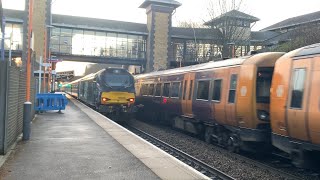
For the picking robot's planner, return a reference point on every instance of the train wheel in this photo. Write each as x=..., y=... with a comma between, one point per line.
x=154, y=117
x=298, y=158
x=232, y=144
x=208, y=134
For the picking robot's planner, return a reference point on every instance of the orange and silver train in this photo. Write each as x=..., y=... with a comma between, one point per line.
x=295, y=104
x=244, y=103
x=110, y=90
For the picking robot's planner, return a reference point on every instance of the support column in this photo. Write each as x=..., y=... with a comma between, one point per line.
x=39, y=25
x=3, y=104
x=159, y=24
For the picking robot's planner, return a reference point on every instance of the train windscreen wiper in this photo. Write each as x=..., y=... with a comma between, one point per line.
x=108, y=85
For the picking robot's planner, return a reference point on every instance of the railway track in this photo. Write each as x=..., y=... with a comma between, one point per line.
x=271, y=164
x=276, y=162
x=202, y=167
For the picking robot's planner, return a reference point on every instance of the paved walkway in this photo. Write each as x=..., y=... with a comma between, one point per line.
x=72, y=146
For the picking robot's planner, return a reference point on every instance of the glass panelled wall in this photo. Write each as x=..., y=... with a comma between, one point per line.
x=13, y=36
x=94, y=43
x=189, y=51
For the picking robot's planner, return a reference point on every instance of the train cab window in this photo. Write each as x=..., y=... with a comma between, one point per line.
x=158, y=90
x=203, y=90
x=190, y=90
x=175, y=89
x=264, y=78
x=298, y=80
x=184, y=89
x=144, y=89
x=217, y=84
x=151, y=89
x=166, y=87
x=232, y=89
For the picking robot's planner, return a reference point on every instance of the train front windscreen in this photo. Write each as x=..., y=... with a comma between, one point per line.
x=117, y=80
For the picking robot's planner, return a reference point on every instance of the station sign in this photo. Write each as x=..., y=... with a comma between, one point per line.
x=65, y=75
x=54, y=59
x=46, y=64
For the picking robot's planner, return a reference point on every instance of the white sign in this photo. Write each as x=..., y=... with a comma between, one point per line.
x=53, y=72
x=46, y=64
x=54, y=60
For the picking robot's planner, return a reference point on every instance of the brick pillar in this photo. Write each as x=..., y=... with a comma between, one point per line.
x=39, y=25
x=159, y=20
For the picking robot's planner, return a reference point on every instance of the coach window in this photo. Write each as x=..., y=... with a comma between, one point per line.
x=203, y=90
x=184, y=90
x=158, y=90
x=232, y=89
x=190, y=90
x=166, y=87
x=217, y=90
x=151, y=89
x=298, y=80
x=175, y=89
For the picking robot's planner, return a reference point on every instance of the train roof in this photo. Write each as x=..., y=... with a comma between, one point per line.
x=204, y=66
x=310, y=50
x=92, y=75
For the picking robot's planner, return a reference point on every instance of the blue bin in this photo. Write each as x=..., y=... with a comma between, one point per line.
x=50, y=101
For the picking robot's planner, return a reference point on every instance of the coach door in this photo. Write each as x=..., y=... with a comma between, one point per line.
x=231, y=97
x=187, y=92
x=314, y=103
x=298, y=99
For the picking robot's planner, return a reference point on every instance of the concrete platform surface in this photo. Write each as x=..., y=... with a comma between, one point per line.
x=83, y=144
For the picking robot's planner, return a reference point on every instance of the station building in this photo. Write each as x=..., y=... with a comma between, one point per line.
x=153, y=46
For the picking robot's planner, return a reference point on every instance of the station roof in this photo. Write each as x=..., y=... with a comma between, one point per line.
x=14, y=15
x=260, y=36
x=169, y=3
x=232, y=14
x=294, y=21
x=99, y=24
x=269, y=37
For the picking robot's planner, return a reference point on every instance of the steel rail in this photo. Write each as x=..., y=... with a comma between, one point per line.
x=239, y=156
x=202, y=167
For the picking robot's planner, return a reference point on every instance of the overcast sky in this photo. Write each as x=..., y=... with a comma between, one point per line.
x=268, y=11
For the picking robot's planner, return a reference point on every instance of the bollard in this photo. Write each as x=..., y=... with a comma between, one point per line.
x=26, y=120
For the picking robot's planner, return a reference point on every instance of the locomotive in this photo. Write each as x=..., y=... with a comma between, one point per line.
x=110, y=90
x=237, y=104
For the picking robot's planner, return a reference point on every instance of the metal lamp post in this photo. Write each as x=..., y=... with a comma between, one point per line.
x=27, y=105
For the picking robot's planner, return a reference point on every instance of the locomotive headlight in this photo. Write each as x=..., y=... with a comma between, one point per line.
x=105, y=99
x=263, y=115
x=131, y=100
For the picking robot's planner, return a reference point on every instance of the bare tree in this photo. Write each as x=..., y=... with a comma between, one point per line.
x=189, y=24
x=234, y=26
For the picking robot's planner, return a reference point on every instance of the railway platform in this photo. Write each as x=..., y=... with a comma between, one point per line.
x=83, y=144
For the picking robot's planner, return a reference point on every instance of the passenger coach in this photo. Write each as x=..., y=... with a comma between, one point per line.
x=226, y=102
x=295, y=104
